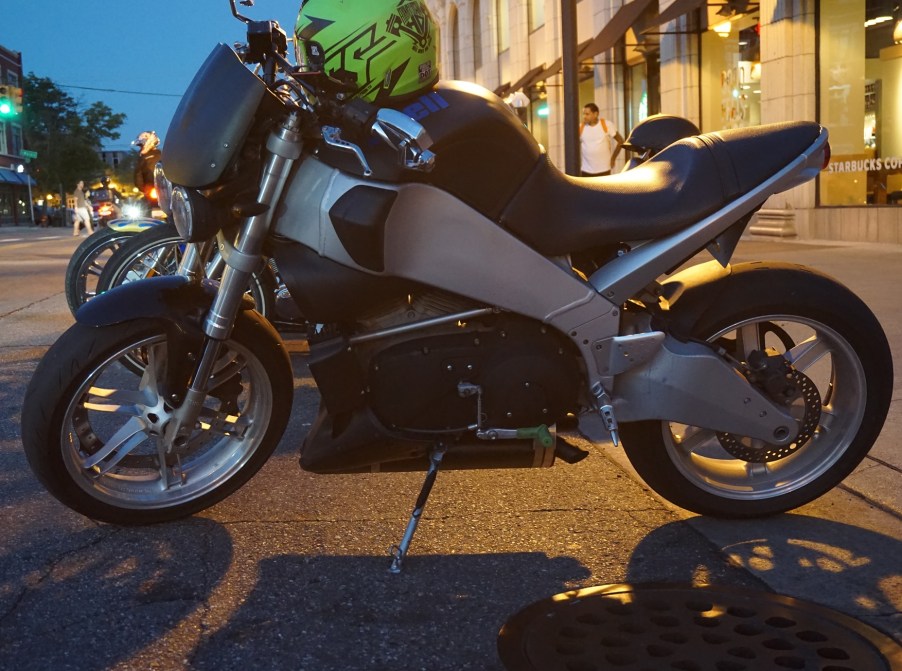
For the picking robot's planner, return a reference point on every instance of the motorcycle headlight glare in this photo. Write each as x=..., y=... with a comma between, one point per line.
x=132, y=212
x=163, y=187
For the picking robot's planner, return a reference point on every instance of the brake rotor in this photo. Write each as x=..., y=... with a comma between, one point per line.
x=811, y=399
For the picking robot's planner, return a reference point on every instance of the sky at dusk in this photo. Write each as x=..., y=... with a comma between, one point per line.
x=142, y=54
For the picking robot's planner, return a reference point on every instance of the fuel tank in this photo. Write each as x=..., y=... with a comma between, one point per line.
x=483, y=151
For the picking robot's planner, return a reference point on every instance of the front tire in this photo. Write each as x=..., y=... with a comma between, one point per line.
x=92, y=428
x=158, y=251
x=827, y=334
x=87, y=263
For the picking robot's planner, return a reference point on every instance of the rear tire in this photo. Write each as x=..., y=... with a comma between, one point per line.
x=92, y=429
x=833, y=339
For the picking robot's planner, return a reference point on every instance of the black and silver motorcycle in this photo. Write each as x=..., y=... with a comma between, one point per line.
x=477, y=299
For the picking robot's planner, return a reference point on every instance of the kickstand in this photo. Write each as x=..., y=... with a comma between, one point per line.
x=398, y=552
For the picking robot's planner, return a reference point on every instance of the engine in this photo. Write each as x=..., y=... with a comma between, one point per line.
x=504, y=372
x=394, y=388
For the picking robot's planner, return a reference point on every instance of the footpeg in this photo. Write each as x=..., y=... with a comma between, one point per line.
x=607, y=416
x=606, y=412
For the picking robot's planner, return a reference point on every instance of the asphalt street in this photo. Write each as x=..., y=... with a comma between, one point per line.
x=291, y=571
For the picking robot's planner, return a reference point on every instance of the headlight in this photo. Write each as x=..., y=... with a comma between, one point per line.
x=163, y=187
x=194, y=217
x=181, y=211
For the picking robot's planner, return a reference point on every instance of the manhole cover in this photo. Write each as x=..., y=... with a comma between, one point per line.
x=657, y=627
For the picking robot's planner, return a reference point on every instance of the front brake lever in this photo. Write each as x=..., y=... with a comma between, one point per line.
x=332, y=137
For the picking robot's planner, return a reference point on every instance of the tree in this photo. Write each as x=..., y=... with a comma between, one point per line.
x=66, y=135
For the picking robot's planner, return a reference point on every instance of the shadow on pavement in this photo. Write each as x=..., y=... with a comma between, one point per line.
x=853, y=570
x=94, y=603
x=315, y=612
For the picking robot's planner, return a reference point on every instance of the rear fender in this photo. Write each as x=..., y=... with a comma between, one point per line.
x=693, y=299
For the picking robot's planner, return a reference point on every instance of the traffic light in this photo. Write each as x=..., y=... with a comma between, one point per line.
x=7, y=104
x=18, y=105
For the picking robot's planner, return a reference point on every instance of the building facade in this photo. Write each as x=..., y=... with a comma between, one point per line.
x=15, y=182
x=721, y=64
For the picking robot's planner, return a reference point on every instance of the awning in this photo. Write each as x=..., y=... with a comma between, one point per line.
x=614, y=29
x=677, y=9
x=502, y=90
x=9, y=177
x=557, y=66
x=16, y=178
x=528, y=78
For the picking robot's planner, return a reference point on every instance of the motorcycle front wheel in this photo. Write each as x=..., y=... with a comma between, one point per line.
x=92, y=428
x=87, y=263
x=835, y=346
x=157, y=251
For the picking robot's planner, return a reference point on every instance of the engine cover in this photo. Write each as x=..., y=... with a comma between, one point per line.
x=528, y=374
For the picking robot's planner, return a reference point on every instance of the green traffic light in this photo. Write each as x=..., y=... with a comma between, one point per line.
x=6, y=108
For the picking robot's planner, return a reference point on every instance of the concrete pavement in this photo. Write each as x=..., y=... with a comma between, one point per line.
x=290, y=571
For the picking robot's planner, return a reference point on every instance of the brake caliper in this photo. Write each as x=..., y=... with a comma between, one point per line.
x=770, y=372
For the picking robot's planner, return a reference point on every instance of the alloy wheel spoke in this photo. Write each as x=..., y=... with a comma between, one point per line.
x=226, y=368
x=749, y=339
x=695, y=438
x=828, y=419
x=152, y=372
x=807, y=353
x=755, y=470
x=223, y=423
x=122, y=401
x=128, y=437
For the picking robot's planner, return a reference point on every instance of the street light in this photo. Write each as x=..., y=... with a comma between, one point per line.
x=21, y=170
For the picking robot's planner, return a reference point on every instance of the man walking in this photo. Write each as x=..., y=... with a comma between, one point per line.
x=82, y=210
x=597, y=136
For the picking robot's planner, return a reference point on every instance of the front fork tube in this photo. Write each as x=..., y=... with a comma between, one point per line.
x=241, y=260
x=190, y=264
x=245, y=257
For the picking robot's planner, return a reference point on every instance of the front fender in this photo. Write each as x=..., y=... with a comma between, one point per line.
x=170, y=297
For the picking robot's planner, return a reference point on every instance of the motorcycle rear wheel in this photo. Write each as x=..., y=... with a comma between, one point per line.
x=91, y=427
x=833, y=339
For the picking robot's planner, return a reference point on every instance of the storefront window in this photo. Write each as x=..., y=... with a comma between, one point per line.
x=642, y=78
x=536, y=14
x=860, y=84
x=731, y=72
x=502, y=13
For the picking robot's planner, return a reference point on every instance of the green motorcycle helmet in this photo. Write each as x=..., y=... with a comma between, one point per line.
x=386, y=48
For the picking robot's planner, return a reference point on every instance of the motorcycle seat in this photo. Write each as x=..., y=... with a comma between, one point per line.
x=557, y=214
